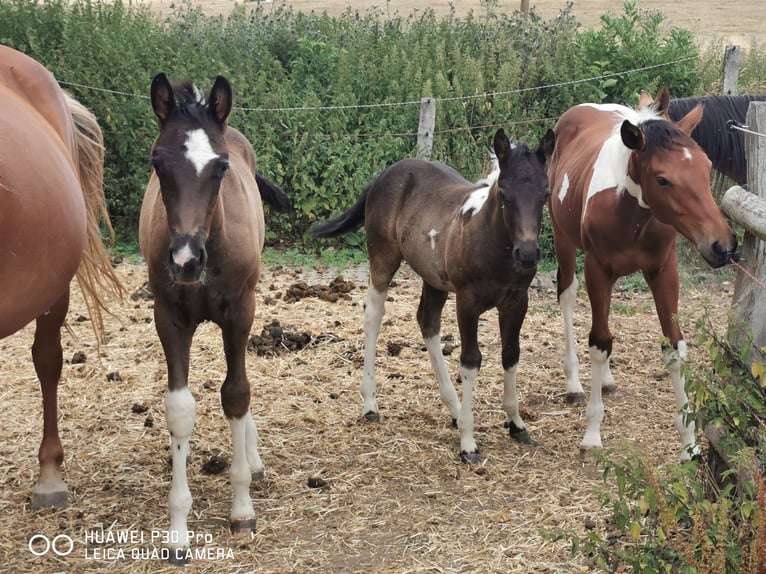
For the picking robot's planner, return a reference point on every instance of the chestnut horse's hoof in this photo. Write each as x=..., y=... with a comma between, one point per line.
x=609, y=389
x=244, y=526
x=575, y=398
x=372, y=417
x=55, y=499
x=470, y=457
x=178, y=557
x=517, y=434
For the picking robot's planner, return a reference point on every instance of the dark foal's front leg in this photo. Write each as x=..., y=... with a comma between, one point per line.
x=235, y=399
x=511, y=317
x=468, y=313
x=50, y=490
x=429, y=319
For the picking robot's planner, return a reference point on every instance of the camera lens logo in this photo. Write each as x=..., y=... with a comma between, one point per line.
x=60, y=545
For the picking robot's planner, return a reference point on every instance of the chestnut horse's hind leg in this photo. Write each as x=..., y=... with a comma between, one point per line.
x=50, y=489
x=429, y=319
x=511, y=317
x=235, y=399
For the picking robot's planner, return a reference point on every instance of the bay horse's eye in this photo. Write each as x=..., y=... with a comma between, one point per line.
x=220, y=169
x=662, y=182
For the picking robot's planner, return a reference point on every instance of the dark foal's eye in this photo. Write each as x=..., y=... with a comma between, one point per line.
x=220, y=169
x=662, y=181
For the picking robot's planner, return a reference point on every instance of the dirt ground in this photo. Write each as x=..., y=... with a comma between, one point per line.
x=713, y=22
x=340, y=494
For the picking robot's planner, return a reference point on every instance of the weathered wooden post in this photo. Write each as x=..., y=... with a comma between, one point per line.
x=748, y=209
x=731, y=61
x=524, y=6
x=426, y=127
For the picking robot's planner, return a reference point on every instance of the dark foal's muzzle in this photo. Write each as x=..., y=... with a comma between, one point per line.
x=187, y=258
x=527, y=254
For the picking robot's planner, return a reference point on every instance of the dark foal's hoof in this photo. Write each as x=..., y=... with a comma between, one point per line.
x=609, y=389
x=575, y=398
x=517, y=434
x=372, y=417
x=257, y=475
x=177, y=557
x=245, y=526
x=470, y=457
x=57, y=499
x=454, y=423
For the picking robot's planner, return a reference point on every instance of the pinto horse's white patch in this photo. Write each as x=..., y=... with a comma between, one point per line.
x=475, y=201
x=687, y=154
x=563, y=188
x=432, y=236
x=198, y=149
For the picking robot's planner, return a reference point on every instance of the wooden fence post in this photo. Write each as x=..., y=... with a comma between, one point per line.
x=731, y=61
x=749, y=301
x=426, y=127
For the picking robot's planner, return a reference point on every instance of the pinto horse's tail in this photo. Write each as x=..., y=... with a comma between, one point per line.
x=345, y=222
x=272, y=194
x=95, y=275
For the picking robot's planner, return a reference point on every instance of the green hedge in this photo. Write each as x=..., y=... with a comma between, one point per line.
x=329, y=102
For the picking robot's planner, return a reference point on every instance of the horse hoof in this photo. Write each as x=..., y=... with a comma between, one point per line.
x=470, y=457
x=454, y=423
x=57, y=499
x=586, y=452
x=609, y=389
x=178, y=557
x=243, y=526
x=257, y=475
x=575, y=398
x=519, y=435
x=372, y=417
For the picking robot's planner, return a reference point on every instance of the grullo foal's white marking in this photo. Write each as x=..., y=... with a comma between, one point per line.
x=475, y=201
x=198, y=149
x=183, y=255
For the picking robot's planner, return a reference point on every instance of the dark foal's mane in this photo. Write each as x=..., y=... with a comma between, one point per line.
x=191, y=102
x=724, y=148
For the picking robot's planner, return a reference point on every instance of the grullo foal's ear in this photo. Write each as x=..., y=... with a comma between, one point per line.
x=632, y=136
x=163, y=99
x=547, y=145
x=502, y=144
x=220, y=101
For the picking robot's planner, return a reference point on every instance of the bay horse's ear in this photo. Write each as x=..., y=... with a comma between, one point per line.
x=662, y=101
x=632, y=136
x=547, y=145
x=502, y=144
x=163, y=99
x=687, y=123
x=645, y=100
x=219, y=102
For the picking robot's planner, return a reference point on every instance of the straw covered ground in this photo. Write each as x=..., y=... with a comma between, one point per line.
x=340, y=494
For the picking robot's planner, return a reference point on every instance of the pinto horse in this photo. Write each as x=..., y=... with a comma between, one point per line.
x=201, y=231
x=624, y=182
x=51, y=204
x=476, y=241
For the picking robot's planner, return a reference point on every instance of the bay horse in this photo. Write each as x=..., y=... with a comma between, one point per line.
x=477, y=241
x=624, y=183
x=726, y=149
x=201, y=232
x=51, y=205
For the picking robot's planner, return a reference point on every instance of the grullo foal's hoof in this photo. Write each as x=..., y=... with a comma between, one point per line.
x=243, y=526
x=470, y=457
x=520, y=435
x=372, y=417
x=575, y=398
x=57, y=499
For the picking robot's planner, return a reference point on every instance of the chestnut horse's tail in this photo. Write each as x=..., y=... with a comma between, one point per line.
x=96, y=276
x=345, y=222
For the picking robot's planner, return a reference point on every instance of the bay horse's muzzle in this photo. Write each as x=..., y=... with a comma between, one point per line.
x=187, y=257
x=527, y=254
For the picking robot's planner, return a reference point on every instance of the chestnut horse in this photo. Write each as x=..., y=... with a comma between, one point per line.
x=477, y=241
x=624, y=182
x=201, y=232
x=51, y=205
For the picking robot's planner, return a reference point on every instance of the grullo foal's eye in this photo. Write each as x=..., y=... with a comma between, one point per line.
x=662, y=182
x=220, y=169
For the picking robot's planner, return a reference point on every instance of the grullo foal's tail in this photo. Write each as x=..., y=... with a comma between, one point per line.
x=345, y=222
x=272, y=194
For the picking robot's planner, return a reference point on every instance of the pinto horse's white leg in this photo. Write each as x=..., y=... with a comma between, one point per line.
x=515, y=423
x=253, y=457
x=567, y=300
x=674, y=360
x=374, y=307
x=594, y=412
x=446, y=388
x=180, y=408
x=242, y=511
x=469, y=451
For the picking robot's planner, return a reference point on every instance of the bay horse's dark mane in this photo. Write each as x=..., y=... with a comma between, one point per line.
x=724, y=148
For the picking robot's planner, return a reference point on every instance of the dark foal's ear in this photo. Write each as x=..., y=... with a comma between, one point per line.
x=163, y=99
x=502, y=145
x=662, y=101
x=547, y=144
x=632, y=136
x=219, y=102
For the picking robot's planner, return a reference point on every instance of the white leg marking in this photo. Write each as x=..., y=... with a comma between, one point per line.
x=465, y=420
x=180, y=408
x=567, y=301
x=374, y=307
x=446, y=388
x=510, y=398
x=595, y=409
x=674, y=360
x=241, y=505
x=253, y=457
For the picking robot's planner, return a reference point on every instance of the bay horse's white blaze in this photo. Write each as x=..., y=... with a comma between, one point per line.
x=198, y=149
x=475, y=201
x=180, y=410
x=374, y=307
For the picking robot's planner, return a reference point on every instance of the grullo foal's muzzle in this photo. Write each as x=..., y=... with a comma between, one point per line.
x=187, y=258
